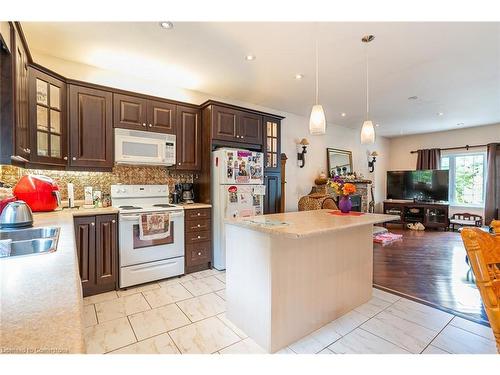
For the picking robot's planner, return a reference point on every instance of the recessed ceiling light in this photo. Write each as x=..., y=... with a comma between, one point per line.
x=166, y=25
x=377, y=125
x=414, y=97
x=440, y=113
x=343, y=114
x=299, y=76
x=460, y=124
x=250, y=57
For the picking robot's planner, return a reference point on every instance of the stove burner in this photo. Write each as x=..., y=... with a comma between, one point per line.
x=163, y=205
x=130, y=207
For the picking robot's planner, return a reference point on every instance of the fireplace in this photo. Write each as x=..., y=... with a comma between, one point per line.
x=360, y=200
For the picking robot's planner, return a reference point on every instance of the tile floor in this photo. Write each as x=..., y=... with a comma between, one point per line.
x=187, y=315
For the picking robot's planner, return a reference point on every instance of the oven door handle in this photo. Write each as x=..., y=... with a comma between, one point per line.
x=136, y=217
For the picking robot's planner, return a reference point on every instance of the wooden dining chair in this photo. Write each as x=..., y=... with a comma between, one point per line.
x=483, y=250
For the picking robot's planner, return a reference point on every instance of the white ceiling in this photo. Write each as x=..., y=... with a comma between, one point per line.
x=453, y=68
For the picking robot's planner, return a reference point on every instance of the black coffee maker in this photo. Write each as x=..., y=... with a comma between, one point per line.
x=187, y=193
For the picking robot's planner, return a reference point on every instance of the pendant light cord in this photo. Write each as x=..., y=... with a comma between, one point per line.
x=367, y=84
x=317, y=70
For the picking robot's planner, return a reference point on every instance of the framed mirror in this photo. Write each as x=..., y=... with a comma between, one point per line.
x=339, y=162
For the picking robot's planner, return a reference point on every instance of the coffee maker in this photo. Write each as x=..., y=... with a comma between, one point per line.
x=187, y=193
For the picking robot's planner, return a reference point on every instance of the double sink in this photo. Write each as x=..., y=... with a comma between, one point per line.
x=31, y=241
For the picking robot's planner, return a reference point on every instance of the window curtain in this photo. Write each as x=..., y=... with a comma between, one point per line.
x=429, y=159
x=492, y=196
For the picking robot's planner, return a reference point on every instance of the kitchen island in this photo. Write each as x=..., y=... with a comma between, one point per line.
x=289, y=274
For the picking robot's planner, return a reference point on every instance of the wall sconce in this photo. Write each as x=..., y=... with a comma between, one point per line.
x=301, y=155
x=371, y=163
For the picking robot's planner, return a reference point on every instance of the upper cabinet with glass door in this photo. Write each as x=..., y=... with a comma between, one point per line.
x=272, y=138
x=47, y=119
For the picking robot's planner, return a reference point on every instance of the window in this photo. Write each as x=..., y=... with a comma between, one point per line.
x=467, y=178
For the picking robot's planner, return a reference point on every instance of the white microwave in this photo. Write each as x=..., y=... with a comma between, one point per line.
x=139, y=147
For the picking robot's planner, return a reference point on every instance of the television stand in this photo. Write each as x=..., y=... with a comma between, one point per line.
x=431, y=215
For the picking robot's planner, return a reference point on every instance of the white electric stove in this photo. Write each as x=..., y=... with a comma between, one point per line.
x=142, y=261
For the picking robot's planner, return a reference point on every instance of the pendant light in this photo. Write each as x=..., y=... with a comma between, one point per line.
x=367, y=130
x=317, y=121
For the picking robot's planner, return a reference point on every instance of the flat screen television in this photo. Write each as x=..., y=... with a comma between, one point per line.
x=425, y=185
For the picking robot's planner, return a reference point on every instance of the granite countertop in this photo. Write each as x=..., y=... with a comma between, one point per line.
x=307, y=223
x=41, y=304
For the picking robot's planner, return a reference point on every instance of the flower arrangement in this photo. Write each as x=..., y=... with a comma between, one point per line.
x=341, y=187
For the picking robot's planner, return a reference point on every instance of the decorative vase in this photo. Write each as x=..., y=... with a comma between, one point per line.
x=345, y=204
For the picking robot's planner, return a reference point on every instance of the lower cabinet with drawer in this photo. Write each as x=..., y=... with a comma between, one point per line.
x=96, y=239
x=198, y=239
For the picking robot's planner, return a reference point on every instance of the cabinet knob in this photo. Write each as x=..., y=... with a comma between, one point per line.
x=178, y=163
x=237, y=136
x=199, y=237
x=144, y=124
x=65, y=158
x=199, y=213
x=27, y=150
x=242, y=137
x=74, y=158
x=199, y=252
x=92, y=224
x=199, y=225
x=150, y=125
x=113, y=221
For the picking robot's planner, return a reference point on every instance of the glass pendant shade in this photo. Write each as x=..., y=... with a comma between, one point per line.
x=317, y=122
x=367, y=133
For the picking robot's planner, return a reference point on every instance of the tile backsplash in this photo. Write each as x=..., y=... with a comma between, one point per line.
x=129, y=175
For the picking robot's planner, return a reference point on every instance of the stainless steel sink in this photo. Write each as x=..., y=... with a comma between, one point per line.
x=31, y=241
x=29, y=234
x=36, y=246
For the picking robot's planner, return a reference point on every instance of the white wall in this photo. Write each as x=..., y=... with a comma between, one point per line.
x=294, y=128
x=402, y=159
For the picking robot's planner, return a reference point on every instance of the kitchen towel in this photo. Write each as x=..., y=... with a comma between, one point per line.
x=154, y=226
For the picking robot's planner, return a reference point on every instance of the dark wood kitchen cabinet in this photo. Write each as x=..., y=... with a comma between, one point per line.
x=90, y=128
x=272, y=144
x=47, y=119
x=198, y=239
x=249, y=128
x=20, y=76
x=137, y=113
x=230, y=124
x=96, y=240
x=129, y=112
x=188, y=139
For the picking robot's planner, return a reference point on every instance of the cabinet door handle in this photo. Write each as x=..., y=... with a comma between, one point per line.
x=178, y=163
x=199, y=253
x=113, y=221
x=199, y=237
x=65, y=158
x=144, y=124
x=237, y=136
x=74, y=158
x=150, y=125
x=199, y=225
x=199, y=214
x=93, y=224
x=242, y=137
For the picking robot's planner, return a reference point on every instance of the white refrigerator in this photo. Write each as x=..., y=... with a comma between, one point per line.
x=237, y=191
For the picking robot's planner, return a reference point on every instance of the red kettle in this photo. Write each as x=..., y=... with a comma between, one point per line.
x=41, y=193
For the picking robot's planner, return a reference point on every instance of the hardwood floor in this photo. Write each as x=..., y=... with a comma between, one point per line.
x=429, y=266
